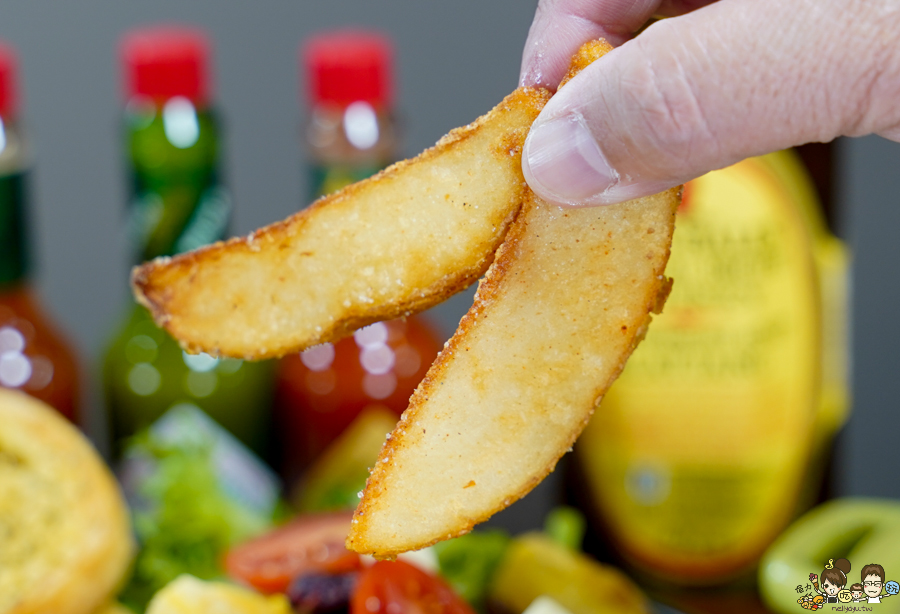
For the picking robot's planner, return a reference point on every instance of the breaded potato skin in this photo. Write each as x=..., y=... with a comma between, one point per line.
x=566, y=301
x=388, y=246
x=568, y=298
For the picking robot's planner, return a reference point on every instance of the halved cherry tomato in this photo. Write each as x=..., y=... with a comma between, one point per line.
x=395, y=587
x=309, y=543
x=345, y=563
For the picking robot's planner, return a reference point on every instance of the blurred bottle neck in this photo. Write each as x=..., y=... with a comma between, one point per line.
x=18, y=297
x=14, y=252
x=347, y=144
x=177, y=200
x=14, y=151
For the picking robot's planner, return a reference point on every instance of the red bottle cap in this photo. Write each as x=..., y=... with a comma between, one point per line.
x=346, y=66
x=166, y=61
x=9, y=100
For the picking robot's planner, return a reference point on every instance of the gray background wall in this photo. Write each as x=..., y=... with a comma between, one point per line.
x=455, y=60
x=869, y=193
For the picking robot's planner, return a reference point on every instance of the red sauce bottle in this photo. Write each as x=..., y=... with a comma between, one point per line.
x=351, y=134
x=34, y=357
x=321, y=391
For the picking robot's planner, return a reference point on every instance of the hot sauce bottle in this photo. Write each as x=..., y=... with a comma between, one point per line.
x=351, y=134
x=178, y=203
x=34, y=357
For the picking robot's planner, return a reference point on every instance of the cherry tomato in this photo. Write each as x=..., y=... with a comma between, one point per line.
x=309, y=543
x=395, y=587
x=342, y=564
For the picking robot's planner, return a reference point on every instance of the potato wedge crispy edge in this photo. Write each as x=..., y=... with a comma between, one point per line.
x=564, y=304
x=388, y=246
x=566, y=301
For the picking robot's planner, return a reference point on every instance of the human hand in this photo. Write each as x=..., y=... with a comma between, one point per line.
x=719, y=82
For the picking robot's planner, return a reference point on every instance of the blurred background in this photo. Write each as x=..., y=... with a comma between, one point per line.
x=453, y=64
x=454, y=61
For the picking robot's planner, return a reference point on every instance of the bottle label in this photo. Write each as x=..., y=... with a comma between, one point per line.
x=177, y=217
x=698, y=453
x=13, y=227
x=178, y=202
x=325, y=179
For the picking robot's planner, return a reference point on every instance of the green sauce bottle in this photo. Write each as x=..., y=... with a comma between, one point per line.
x=178, y=204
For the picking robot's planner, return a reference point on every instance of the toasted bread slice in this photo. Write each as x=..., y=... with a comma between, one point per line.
x=65, y=536
x=396, y=243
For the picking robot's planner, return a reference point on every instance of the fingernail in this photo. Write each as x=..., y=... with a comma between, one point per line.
x=562, y=161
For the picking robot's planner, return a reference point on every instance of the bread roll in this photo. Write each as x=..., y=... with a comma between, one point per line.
x=65, y=536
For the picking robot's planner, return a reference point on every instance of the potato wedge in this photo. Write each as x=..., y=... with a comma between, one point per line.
x=567, y=299
x=560, y=310
x=388, y=246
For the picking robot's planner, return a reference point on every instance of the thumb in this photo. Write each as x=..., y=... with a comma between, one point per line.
x=702, y=91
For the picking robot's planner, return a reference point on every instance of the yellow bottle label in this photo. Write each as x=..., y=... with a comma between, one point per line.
x=698, y=454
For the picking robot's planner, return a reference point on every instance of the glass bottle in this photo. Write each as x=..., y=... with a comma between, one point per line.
x=351, y=133
x=715, y=435
x=178, y=203
x=34, y=357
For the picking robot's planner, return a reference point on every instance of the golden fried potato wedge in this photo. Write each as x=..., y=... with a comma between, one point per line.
x=560, y=310
x=388, y=246
x=567, y=299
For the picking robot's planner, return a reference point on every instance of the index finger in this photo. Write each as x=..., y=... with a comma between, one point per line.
x=561, y=26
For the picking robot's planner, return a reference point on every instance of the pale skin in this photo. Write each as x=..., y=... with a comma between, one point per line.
x=830, y=589
x=872, y=586
x=720, y=81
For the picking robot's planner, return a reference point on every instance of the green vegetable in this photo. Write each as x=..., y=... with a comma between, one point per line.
x=565, y=526
x=468, y=563
x=535, y=565
x=340, y=473
x=185, y=522
x=862, y=530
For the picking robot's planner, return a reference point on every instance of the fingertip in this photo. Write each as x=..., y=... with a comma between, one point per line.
x=564, y=165
x=563, y=162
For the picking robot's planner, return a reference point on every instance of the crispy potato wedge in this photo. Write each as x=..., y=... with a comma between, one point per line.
x=397, y=243
x=566, y=301
x=560, y=310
